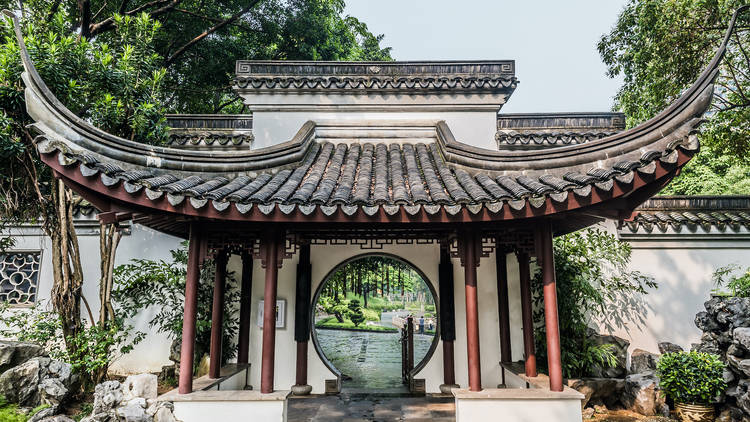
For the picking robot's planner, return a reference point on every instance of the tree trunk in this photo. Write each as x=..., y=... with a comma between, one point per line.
x=67, y=274
x=109, y=238
x=401, y=281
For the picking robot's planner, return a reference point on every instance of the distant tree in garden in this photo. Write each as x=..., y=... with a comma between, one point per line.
x=355, y=313
x=660, y=47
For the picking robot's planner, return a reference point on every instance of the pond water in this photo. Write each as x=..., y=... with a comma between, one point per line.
x=372, y=360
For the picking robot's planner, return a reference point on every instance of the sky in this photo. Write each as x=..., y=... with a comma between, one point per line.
x=552, y=41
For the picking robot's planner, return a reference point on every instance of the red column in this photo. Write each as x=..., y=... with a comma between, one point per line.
x=526, y=317
x=501, y=268
x=243, y=337
x=192, y=279
x=449, y=372
x=217, y=314
x=301, y=375
x=271, y=252
x=472, y=311
x=551, y=323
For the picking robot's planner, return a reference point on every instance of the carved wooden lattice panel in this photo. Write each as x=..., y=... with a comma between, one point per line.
x=19, y=277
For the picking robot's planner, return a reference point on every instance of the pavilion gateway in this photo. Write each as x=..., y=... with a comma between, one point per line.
x=407, y=158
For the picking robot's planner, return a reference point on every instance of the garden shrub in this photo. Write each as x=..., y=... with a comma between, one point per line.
x=691, y=377
x=355, y=313
x=727, y=277
x=144, y=283
x=593, y=287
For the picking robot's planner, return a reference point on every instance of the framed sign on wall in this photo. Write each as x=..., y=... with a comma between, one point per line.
x=280, y=313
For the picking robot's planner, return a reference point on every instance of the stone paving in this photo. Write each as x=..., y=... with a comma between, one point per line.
x=368, y=359
x=371, y=408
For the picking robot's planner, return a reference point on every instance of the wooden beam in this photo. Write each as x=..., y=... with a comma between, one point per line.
x=551, y=323
x=270, y=246
x=529, y=350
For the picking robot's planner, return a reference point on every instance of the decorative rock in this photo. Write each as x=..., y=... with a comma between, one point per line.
x=667, y=347
x=728, y=375
x=44, y=414
x=19, y=384
x=607, y=390
x=588, y=413
x=642, y=361
x=141, y=385
x=61, y=370
x=154, y=407
x=52, y=391
x=642, y=394
x=741, y=336
x=57, y=418
x=14, y=353
x=620, y=351
x=705, y=322
x=107, y=396
x=132, y=413
x=164, y=415
x=138, y=401
x=601, y=409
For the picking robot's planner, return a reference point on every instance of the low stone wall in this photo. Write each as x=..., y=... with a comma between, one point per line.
x=726, y=332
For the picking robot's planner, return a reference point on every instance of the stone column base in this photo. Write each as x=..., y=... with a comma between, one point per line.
x=446, y=388
x=301, y=390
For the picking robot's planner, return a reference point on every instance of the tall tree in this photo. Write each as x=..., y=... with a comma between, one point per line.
x=109, y=63
x=660, y=47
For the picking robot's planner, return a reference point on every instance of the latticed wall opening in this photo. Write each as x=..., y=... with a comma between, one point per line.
x=19, y=277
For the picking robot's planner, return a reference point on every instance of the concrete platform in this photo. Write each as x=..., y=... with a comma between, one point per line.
x=364, y=408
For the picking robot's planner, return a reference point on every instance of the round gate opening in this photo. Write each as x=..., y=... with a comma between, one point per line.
x=361, y=314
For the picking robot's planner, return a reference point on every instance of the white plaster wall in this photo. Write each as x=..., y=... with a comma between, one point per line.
x=151, y=354
x=682, y=265
x=489, y=328
x=518, y=410
x=472, y=128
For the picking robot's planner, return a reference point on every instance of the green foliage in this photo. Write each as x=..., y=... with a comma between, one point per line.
x=355, y=313
x=331, y=323
x=727, y=277
x=660, y=47
x=95, y=347
x=86, y=409
x=35, y=325
x=145, y=283
x=370, y=314
x=593, y=286
x=9, y=412
x=691, y=377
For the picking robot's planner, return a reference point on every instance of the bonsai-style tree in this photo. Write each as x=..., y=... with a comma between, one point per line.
x=691, y=377
x=355, y=313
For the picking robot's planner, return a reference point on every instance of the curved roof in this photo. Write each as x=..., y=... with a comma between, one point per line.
x=439, y=179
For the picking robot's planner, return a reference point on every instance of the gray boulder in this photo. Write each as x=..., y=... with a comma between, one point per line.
x=705, y=322
x=44, y=414
x=58, y=418
x=620, y=351
x=62, y=371
x=14, y=353
x=19, y=384
x=604, y=390
x=667, y=347
x=141, y=385
x=741, y=337
x=734, y=312
x=132, y=413
x=107, y=396
x=642, y=361
x=52, y=391
x=164, y=415
x=642, y=394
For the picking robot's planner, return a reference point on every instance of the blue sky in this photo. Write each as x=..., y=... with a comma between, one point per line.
x=553, y=43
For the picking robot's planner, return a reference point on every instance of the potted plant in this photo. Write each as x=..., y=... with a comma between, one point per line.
x=693, y=380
